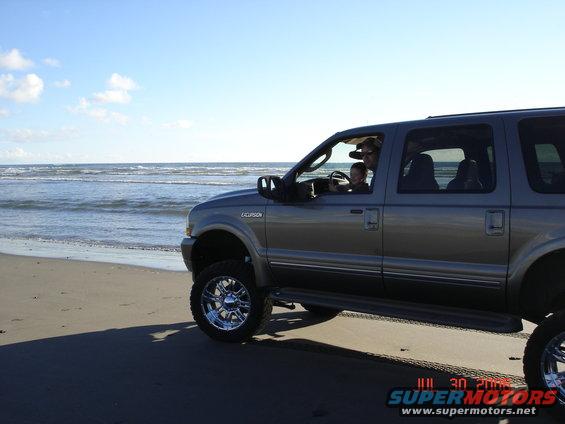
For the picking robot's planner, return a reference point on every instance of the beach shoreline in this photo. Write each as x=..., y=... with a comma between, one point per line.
x=170, y=260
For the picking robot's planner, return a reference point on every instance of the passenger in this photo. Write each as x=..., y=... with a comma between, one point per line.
x=358, y=177
x=358, y=174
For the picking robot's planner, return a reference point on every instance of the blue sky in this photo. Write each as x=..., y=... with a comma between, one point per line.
x=185, y=81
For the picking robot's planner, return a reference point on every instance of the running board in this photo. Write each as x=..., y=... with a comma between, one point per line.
x=434, y=314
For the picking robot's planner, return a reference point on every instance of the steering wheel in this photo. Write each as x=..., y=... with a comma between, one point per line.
x=342, y=176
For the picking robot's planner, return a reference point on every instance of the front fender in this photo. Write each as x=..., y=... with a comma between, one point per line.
x=256, y=249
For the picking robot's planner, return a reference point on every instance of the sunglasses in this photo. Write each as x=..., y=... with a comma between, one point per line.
x=363, y=154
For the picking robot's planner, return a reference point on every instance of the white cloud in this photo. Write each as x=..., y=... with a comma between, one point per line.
x=62, y=84
x=100, y=114
x=182, y=124
x=83, y=104
x=28, y=135
x=54, y=63
x=118, y=92
x=112, y=96
x=27, y=89
x=4, y=112
x=14, y=154
x=120, y=82
x=19, y=155
x=14, y=61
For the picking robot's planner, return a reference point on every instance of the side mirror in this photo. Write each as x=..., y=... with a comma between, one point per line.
x=271, y=187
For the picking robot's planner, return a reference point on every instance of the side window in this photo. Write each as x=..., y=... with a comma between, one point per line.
x=457, y=159
x=350, y=163
x=543, y=148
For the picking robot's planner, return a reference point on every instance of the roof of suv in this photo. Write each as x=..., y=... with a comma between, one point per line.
x=498, y=112
x=375, y=128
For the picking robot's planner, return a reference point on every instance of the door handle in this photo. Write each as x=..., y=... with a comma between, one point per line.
x=372, y=218
x=494, y=223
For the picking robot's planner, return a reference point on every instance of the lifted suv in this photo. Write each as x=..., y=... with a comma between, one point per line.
x=461, y=222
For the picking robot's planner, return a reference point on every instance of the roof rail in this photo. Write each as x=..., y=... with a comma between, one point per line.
x=495, y=111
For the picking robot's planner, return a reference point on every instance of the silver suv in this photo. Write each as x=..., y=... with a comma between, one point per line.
x=460, y=220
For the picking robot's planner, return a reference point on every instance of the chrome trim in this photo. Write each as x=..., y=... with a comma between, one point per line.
x=552, y=366
x=226, y=303
x=329, y=268
x=455, y=280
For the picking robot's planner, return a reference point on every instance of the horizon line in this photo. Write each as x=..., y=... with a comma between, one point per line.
x=132, y=163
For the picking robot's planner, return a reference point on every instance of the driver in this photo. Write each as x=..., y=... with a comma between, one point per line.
x=358, y=177
x=370, y=150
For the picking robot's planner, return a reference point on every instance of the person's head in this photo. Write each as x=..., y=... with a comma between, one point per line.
x=358, y=173
x=370, y=149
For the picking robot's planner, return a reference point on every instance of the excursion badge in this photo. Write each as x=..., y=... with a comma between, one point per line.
x=252, y=214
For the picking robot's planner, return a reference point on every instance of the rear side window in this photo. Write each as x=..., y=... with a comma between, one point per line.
x=456, y=159
x=543, y=148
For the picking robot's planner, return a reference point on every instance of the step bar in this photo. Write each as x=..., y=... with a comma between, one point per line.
x=433, y=314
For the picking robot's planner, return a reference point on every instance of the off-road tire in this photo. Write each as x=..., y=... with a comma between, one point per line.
x=321, y=311
x=261, y=306
x=541, y=336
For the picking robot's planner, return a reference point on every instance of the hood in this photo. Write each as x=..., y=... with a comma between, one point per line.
x=235, y=193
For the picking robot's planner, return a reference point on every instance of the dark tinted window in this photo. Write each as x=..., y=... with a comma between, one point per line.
x=543, y=147
x=457, y=159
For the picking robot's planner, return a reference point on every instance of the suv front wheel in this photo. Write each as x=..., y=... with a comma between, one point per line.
x=544, y=358
x=226, y=304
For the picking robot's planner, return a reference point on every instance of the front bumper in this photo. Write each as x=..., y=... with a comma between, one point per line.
x=186, y=248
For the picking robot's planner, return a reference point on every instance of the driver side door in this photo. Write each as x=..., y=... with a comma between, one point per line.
x=332, y=242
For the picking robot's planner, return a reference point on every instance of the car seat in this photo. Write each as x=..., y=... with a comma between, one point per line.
x=467, y=177
x=421, y=176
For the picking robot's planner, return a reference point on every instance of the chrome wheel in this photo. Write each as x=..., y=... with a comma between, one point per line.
x=226, y=303
x=553, y=365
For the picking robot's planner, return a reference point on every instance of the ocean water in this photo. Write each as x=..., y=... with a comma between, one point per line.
x=131, y=207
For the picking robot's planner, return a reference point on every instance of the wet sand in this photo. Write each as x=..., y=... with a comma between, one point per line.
x=106, y=343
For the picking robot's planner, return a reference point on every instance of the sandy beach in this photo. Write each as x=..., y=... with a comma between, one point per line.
x=88, y=342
